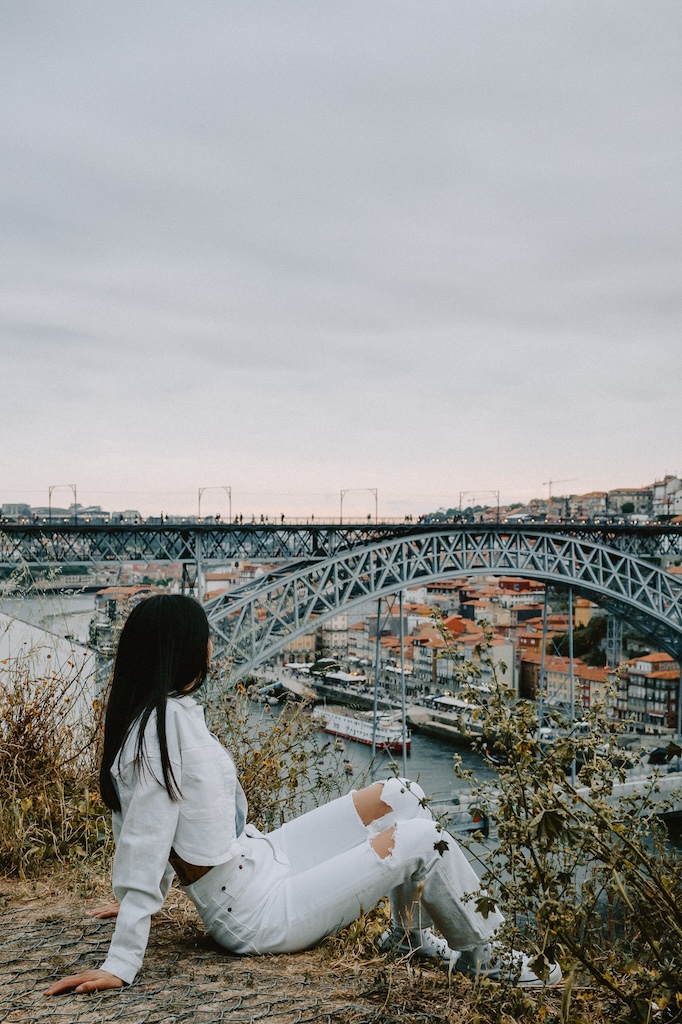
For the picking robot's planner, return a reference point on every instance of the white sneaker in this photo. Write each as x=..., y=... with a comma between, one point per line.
x=421, y=942
x=499, y=964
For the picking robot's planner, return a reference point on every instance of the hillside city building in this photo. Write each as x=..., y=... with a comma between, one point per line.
x=442, y=631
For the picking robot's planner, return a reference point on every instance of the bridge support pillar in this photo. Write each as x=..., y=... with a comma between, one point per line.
x=614, y=640
x=201, y=582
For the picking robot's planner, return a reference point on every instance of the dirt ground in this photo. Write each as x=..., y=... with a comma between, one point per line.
x=45, y=934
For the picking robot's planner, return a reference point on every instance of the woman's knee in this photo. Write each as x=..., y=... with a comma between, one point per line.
x=395, y=798
x=411, y=842
x=369, y=803
x=384, y=843
x=406, y=799
x=414, y=837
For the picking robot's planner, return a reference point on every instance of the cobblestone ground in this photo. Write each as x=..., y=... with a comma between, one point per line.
x=185, y=976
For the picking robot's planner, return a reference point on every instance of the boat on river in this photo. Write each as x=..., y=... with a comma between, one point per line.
x=463, y=814
x=359, y=726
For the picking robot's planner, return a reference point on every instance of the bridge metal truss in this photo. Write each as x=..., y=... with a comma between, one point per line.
x=260, y=618
x=95, y=544
x=103, y=544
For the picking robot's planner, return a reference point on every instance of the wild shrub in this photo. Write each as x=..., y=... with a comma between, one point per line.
x=583, y=874
x=285, y=764
x=49, y=803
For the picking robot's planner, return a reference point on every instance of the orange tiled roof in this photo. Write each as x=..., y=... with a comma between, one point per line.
x=455, y=623
x=655, y=658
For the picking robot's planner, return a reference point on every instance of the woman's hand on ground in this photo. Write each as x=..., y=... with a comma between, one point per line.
x=88, y=981
x=106, y=910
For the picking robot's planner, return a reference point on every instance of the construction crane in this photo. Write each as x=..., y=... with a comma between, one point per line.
x=548, y=484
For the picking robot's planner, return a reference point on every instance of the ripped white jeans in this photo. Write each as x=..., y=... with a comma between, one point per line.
x=292, y=887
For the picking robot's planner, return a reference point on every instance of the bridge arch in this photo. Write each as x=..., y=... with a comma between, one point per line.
x=256, y=621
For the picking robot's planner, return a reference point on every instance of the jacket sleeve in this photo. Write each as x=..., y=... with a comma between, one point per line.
x=141, y=875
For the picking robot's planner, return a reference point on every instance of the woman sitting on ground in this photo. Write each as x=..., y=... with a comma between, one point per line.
x=178, y=808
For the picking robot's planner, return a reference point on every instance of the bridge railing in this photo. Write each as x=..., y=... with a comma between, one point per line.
x=258, y=519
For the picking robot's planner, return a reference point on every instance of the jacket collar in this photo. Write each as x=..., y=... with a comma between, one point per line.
x=185, y=700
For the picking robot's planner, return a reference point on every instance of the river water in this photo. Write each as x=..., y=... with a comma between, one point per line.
x=430, y=762
x=65, y=614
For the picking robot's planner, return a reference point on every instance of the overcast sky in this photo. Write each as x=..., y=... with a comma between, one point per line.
x=298, y=247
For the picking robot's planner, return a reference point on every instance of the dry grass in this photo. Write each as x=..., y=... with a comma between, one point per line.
x=49, y=723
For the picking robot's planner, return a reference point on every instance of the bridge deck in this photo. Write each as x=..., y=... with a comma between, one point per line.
x=88, y=544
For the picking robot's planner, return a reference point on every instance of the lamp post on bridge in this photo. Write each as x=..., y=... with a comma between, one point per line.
x=372, y=490
x=472, y=495
x=228, y=490
x=53, y=487
x=201, y=582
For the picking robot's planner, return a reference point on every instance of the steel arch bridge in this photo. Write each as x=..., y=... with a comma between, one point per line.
x=256, y=621
x=326, y=567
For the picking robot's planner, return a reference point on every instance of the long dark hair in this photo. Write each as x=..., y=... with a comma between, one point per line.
x=162, y=652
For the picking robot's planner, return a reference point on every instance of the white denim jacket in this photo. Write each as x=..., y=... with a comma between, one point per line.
x=201, y=827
